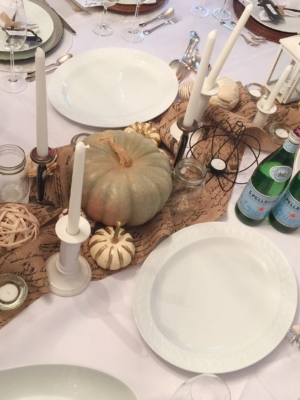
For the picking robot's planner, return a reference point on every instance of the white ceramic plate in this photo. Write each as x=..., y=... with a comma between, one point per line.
x=215, y=298
x=290, y=25
x=112, y=87
x=37, y=14
x=61, y=382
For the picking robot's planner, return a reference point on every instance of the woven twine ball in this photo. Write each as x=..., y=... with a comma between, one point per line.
x=17, y=226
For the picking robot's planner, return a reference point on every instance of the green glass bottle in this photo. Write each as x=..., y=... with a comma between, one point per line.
x=285, y=216
x=268, y=182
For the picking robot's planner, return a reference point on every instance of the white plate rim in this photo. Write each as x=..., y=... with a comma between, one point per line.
x=64, y=367
x=284, y=27
x=188, y=360
x=169, y=88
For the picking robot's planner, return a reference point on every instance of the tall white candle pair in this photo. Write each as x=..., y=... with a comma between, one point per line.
x=205, y=85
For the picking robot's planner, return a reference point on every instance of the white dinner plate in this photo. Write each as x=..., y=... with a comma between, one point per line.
x=112, y=87
x=290, y=25
x=37, y=14
x=61, y=382
x=215, y=298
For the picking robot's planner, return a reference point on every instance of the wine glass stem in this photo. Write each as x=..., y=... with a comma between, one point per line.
x=137, y=9
x=223, y=7
x=12, y=67
x=103, y=23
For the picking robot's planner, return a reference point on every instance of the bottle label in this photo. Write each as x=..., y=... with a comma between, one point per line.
x=290, y=147
x=287, y=211
x=281, y=174
x=254, y=204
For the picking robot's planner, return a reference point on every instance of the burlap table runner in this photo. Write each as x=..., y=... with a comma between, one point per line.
x=28, y=261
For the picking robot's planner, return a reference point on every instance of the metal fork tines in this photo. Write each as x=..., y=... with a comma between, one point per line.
x=249, y=42
x=172, y=21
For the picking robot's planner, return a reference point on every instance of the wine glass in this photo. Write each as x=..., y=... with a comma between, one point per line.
x=13, y=36
x=133, y=34
x=199, y=10
x=203, y=387
x=102, y=28
x=221, y=13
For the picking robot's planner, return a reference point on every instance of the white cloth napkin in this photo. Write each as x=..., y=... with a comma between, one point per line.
x=295, y=4
x=277, y=381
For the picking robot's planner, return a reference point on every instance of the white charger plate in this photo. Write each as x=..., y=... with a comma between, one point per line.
x=215, y=298
x=61, y=382
x=112, y=87
x=37, y=14
x=290, y=25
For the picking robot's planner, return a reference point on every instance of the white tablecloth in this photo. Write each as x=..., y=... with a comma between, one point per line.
x=97, y=328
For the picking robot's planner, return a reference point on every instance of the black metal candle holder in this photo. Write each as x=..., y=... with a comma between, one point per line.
x=41, y=170
x=183, y=141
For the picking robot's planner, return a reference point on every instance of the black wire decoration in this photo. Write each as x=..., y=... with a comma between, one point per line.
x=220, y=149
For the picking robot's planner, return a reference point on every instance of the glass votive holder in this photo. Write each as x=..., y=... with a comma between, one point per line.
x=14, y=180
x=188, y=181
x=203, y=387
x=13, y=291
x=279, y=132
x=256, y=91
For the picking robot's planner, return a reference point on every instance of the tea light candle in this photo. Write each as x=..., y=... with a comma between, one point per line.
x=76, y=189
x=281, y=133
x=8, y=293
x=255, y=93
x=41, y=104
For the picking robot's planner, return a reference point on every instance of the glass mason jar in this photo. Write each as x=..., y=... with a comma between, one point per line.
x=188, y=179
x=14, y=181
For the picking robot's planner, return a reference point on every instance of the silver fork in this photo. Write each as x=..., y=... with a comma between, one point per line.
x=171, y=21
x=249, y=42
x=252, y=35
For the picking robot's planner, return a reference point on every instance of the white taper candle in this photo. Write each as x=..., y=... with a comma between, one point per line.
x=41, y=104
x=214, y=73
x=191, y=110
x=76, y=189
x=270, y=100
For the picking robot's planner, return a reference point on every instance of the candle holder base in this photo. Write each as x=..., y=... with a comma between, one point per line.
x=184, y=137
x=262, y=115
x=41, y=170
x=71, y=284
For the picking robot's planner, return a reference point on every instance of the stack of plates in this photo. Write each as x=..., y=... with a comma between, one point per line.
x=50, y=30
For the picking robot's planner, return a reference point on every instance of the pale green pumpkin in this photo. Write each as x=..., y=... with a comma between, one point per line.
x=129, y=184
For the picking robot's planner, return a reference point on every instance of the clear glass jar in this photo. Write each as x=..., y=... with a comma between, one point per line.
x=14, y=181
x=188, y=179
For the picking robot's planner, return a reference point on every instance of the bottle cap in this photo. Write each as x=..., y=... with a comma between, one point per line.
x=294, y=136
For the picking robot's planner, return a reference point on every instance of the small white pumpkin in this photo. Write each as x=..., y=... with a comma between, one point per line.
x=147, y=130
x=112, y=248
x=228, y=95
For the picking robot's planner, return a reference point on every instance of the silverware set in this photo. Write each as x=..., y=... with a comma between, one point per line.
x=254, y=40
x=167, y=15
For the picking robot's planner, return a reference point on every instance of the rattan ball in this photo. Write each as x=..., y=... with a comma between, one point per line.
x=17, y=226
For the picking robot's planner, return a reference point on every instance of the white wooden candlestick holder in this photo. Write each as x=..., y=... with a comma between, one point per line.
x=262, y=115
x=69, y=273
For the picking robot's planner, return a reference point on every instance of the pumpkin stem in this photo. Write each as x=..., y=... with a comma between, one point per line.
x=124, y=158
x=115, y=238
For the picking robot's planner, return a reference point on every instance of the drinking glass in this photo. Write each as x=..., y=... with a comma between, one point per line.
x=102, y=28
x=199, y=10
x=221, y=13
x=133, y=34
x=203, y=387
x=13, y=36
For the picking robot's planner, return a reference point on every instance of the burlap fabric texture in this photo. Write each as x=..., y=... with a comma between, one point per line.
x=28, y=261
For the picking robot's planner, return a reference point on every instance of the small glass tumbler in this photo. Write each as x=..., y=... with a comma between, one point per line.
x=188, y=179
x=14, y=181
